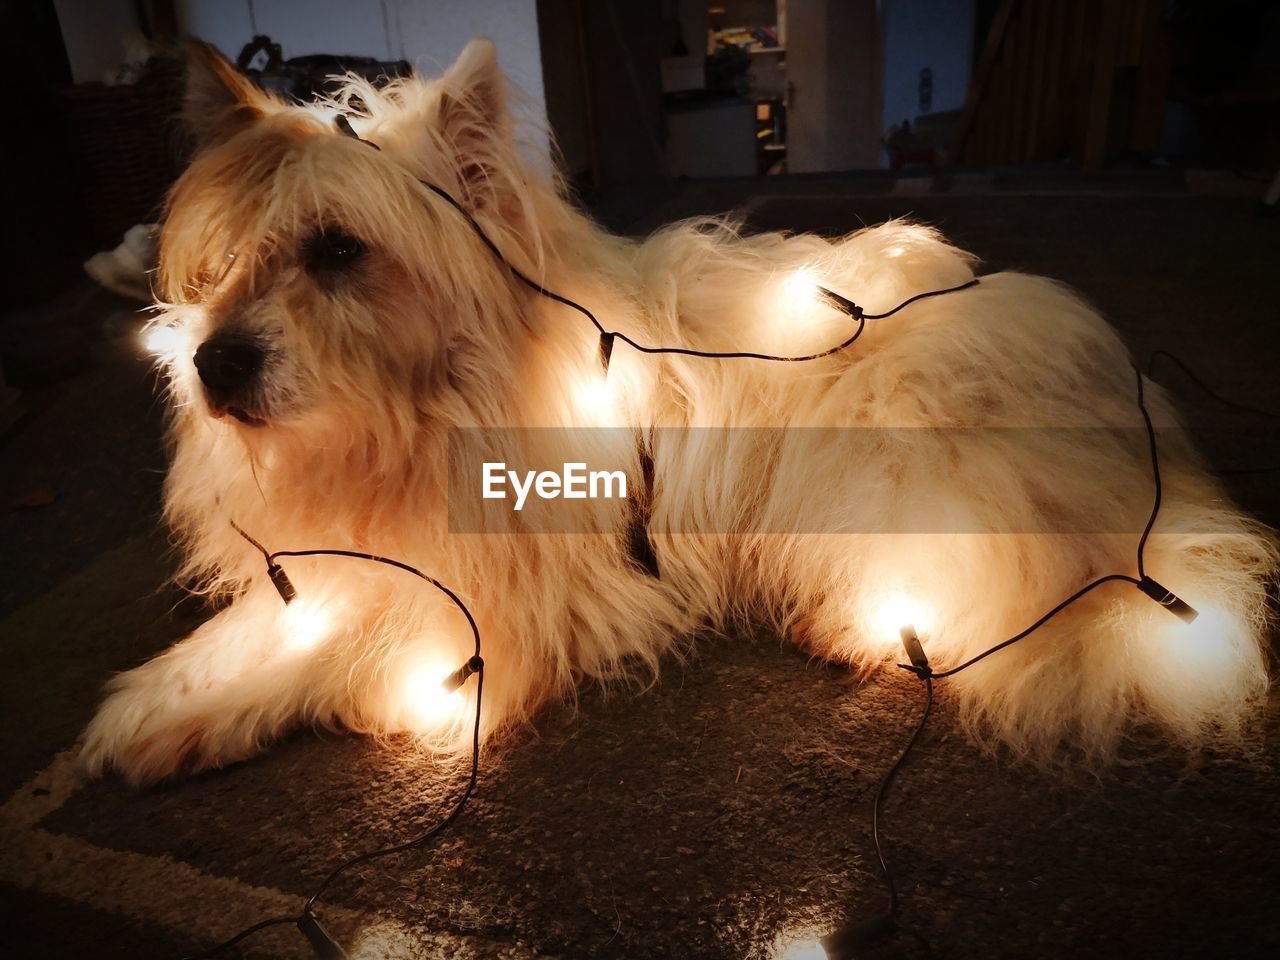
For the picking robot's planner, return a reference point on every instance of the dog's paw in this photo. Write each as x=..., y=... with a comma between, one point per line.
x=150, y=757
x=147, y=733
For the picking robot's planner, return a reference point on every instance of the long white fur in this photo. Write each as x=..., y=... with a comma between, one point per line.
x=436, y=334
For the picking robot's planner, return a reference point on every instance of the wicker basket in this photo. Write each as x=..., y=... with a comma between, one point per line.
x=125, y=148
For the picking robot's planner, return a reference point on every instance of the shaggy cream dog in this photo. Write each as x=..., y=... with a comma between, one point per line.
x=343, y=350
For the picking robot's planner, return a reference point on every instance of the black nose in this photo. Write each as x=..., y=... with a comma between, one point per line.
x=229, y=364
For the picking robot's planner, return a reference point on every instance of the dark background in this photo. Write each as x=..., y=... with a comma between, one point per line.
x=725, y=809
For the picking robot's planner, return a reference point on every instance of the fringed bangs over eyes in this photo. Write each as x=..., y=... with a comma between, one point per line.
x=259, y=197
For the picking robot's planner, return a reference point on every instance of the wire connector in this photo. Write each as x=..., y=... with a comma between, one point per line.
x=1168, y=599
x=606, y=350
x=455, y=680
x=843, y=304
x=344, y=127
x=280, y=580
x=325, y=947
x=915, y=653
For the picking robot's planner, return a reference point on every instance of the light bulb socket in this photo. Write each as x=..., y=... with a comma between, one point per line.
x=280, y=580
x=1168, y=599
x=915, y=650
x=606, y=350
x=345, y=128
x=843, y=304
x=325, y=947
x=455, y=680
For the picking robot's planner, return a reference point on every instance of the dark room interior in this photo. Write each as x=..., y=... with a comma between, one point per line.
x=742, y=788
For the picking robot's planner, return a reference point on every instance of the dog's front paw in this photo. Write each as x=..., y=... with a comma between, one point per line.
x=145, y=732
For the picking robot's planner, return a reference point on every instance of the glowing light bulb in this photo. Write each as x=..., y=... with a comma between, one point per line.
x=803, y=950
x=1204, y=648
x=304, y=625
x=1168, y=599
x=894, y=610
x=595, y=397
x=162, y=339
x=429, y=703
x=805, y=305
x=801, y=286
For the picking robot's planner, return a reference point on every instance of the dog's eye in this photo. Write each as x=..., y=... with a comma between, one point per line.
x=331, y=250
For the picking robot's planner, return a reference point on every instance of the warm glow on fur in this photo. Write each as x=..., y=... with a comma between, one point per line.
x=1203, y=648
x=896, y=609
x=305, y=623
x=327, y=323
x=597, y=398
x=796, y=319
x=429, y=705
x=164, y=340
x=801, y=287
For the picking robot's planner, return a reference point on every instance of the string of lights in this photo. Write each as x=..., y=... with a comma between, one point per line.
x=840, y=944
x=307, y=922
x=843, y=942
x=609, y=337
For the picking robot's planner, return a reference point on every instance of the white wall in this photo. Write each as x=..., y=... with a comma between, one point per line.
x=937, y=34
x=427, y=33
x=93, y=32
x=433, y=33
x=300, y=26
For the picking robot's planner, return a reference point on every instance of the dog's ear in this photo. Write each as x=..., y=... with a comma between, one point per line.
x=473, y=118
x=219, y=100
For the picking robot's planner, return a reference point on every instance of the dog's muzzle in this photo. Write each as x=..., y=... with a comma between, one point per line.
x=230, y=366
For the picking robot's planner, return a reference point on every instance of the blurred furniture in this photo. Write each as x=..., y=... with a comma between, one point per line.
x=125, y=148
x=926, y=143
x=1071, y=78
x=711, y=137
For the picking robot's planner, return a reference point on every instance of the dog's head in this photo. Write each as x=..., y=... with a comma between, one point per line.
x=310, y=283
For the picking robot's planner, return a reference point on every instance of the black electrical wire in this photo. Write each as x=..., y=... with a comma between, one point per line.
x=845, y=940
x=272, y=559
x=282, y=583
x=848, y=306
x=883, y=789
x=1088, y=588
x=1219, y=398
x=1158, y=485
x=852, y=309
x=888, y=922
x=343, y=125
x=475, y=739
x=1155, y=476
x=244, y=934
x=1204, y=387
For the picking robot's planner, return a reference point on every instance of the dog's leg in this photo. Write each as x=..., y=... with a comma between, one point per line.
x=220, y=695
x=1111, y=660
